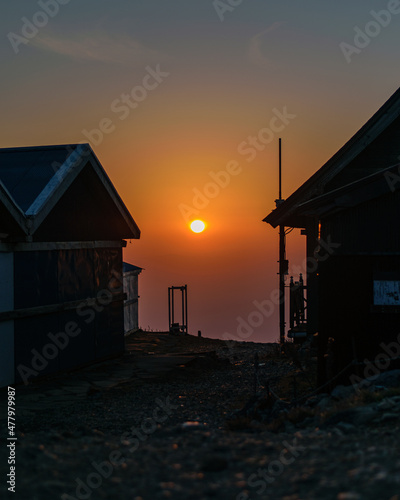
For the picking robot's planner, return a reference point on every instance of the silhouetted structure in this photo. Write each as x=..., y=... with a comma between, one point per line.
x=62, y=227
x=174, y=327
x=297, y=317
x=349, y=212
x=131, y=304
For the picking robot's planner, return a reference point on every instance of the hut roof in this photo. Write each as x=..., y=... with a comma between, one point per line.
x=61, y=192
x=366, y=137
x=130, y=268
x=353, y=194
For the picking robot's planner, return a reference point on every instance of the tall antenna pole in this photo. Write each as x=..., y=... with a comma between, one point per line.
x=280, y=169
x=282, y=258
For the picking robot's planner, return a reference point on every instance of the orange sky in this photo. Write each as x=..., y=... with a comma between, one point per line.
x=223, y=83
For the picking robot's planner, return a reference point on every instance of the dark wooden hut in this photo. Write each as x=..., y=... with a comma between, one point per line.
x=349, y=211
x=63, y=227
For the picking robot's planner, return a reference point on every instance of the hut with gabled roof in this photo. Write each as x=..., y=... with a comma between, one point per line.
x=62, y=230
x=349, y=211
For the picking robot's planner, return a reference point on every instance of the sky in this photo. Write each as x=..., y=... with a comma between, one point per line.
x=183, y=103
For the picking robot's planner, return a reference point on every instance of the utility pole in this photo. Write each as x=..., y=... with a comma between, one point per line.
x=283, y=264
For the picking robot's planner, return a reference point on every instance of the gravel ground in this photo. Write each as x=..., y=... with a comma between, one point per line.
x=181, y=435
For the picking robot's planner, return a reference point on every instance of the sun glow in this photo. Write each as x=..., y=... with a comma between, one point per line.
x=197, y=226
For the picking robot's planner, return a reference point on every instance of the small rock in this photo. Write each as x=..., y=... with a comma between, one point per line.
x=324, y=403
x=364, y=414
x=356, y=416
x=346, y=427
x=314, y=400
x=348, y=495
x=382, y=475
x=342, y=391
x=289, y=427
x=338, y=432
x=193, y=425
x=390, y=378
x=389, y=404
x=278, y=407
x=374, y=388
x=309, y=422
x=387, y=417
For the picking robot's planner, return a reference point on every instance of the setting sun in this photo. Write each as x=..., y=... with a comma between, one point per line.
x=197, y=226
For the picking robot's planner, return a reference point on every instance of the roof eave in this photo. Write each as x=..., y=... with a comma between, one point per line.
x=313, y=186
x=351, y=194
x=13, y=209
x=109, y=186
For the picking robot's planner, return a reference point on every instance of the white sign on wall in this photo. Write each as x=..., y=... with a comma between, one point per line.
x=386, y=293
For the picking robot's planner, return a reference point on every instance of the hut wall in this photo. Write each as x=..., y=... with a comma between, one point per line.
x=368, y=256
x=79, y=290
x=6, y=327
x=371, y=227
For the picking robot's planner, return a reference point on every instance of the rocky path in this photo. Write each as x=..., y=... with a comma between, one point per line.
x=191, y=431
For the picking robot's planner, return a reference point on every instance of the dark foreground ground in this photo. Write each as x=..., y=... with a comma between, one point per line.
x=188, y=418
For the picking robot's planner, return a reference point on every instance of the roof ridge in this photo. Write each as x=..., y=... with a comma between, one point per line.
x=374, y=126
x=43, y=147
x=55, y=181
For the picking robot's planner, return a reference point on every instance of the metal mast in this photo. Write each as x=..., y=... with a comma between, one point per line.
x=282, y=258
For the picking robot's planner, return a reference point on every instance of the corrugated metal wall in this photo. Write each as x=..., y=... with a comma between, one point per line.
x=44, y=278
x=369, y=239
x=346, y=307
x=131, y=315
x=6, y=327
x=373, y=226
